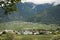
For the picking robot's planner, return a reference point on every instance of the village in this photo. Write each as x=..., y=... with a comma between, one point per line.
x=30, y=32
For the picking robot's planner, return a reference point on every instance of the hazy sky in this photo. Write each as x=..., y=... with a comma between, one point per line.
x=42, y=1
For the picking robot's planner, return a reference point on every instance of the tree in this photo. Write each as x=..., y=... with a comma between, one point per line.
x=9, y=5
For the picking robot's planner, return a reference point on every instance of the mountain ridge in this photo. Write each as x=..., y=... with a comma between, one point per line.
x=26, y=10
x=50, y=15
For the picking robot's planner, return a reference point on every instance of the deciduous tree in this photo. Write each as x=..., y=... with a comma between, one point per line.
x=9, y=5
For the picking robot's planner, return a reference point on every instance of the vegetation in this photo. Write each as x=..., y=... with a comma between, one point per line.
x=10, y=36
x=8, y=5
x=48, y=19
x=48, y=16
x=17, y=25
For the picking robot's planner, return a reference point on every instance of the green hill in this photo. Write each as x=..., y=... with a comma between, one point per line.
x=47, y=19
x=49, y=16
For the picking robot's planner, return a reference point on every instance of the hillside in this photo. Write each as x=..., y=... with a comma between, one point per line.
x=50, y=15
x=45, y=17
x=25, y=10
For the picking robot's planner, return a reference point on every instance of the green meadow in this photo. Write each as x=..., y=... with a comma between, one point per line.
x=10, y=36
x=17, y=25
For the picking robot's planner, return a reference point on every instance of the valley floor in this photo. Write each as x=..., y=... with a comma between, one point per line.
x=10, y=36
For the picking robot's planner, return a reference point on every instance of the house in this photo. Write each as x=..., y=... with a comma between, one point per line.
x=36, y=33
x=26, y=32
x=9, y=31
x=17, y=32
x=1, y=31
x=42, y=31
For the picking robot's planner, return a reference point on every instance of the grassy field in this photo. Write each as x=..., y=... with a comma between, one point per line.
x=17, y=25
x=29, y=37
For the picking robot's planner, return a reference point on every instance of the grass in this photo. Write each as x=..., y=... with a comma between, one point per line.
x=17, y=25
x=28, y=37
x=36, y=37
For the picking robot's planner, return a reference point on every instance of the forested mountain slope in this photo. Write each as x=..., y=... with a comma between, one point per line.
x=50, y=15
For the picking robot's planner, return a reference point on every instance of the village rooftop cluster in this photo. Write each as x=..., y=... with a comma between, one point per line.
x=30, y=31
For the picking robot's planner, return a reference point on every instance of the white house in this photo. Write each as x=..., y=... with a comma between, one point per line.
x=36, y=33
x=11, y=31
x=27, y=32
